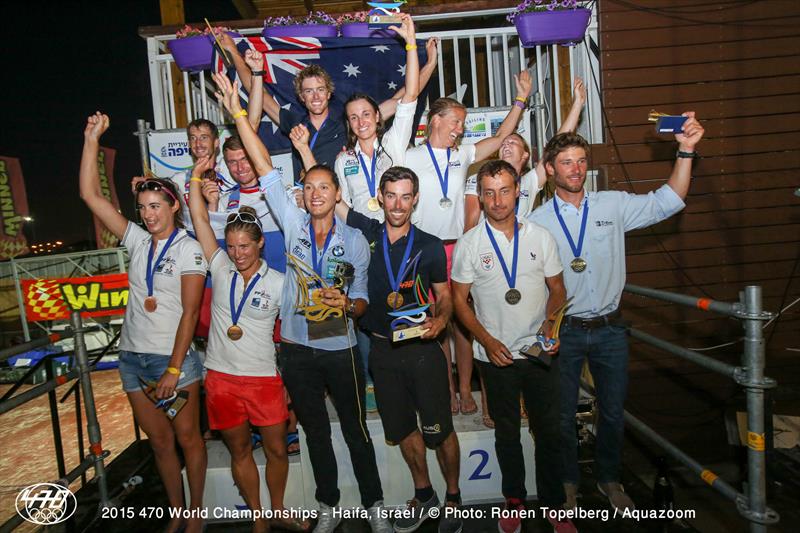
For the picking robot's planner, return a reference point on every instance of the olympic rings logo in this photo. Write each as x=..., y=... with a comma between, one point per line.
x=46, y=504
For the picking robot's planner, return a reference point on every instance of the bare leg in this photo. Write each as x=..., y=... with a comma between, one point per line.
x=274, y=438
x=243, y=468
x=413, y=449
x=449, y=356
x=464, y=365
x=187, y=429
x=448, y=454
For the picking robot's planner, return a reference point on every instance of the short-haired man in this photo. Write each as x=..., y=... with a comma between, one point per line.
x=511, y=268
x=589, y=228
x=410, y=376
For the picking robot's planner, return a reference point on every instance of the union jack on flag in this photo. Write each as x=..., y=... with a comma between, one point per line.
x=368, y=65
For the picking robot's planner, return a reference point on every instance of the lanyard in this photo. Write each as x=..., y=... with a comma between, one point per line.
x=316, y=133
x=576, y=250
x=236, y=310
x=442, y=180
x=512, y=277
x=369, y=175
x=315, y=262
x=151, y=269
x=403, y=269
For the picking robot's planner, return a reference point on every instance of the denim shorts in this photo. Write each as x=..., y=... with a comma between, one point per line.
x=150, y=367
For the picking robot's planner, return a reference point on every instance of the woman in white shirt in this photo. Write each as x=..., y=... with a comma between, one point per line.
x=166, y=275
x=243, y=387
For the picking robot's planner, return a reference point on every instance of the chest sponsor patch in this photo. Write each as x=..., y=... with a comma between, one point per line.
x=487, y=261
x=338, y=250
x=350, y=170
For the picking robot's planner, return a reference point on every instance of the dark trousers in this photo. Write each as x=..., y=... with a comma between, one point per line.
x=539, y=386
x=308, y=373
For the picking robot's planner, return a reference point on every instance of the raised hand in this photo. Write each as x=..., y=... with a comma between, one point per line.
x=136, y=180
x=210, y=190
x=406, y=28
x=228, y=94
x=96, y=125
x=300, y=136
x=431, y=48
x=254, y=60
x=524, y=84
x=692, y=133
x=579, y=92
x=227, y=42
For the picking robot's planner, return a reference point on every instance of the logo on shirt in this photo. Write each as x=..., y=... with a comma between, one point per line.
x=166, y=267
x=298, y=252
x=524, y=193
x=455, y=164
x=487, y=261
x=260, y=300
x=533, y=256
x=198, y=259
x=349, y=171
x=338, y=250
x=305, y=242
x=601, y=223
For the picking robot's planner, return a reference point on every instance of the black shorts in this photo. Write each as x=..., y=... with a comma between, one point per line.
x=411, y=378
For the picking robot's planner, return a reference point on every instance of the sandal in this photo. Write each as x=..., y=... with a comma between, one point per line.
x=488, y=422
x=290, y=524
x=292, y=439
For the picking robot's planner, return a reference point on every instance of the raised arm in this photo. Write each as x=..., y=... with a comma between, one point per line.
x=199, y=210
x=388, y=107
x=487, y=147
x=300, y=136
x=255, y=60
x=681, y=175
x=258, y=153
x=89, y=181
x=569, y=124
x=271, y=107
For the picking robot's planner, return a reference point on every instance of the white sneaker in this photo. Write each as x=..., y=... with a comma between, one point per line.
x=376, y=517
x=326, y=520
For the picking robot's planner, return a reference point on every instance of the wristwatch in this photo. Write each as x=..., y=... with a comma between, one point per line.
x=687, y=155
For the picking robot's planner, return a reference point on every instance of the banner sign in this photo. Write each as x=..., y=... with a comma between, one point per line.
x=105, y=167
x=13, y=207
x=93, y=296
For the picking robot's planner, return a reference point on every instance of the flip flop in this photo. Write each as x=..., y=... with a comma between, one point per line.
x=469, y=411
x=488, y=422
x=292, y=438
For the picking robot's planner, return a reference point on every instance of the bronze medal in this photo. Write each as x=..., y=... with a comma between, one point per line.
x=373, y=204
x=513, y=296
x=150, y=304
x=578, y=264
x=394, y=300
x=235, y=333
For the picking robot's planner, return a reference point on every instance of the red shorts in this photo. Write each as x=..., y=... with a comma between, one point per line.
x=449, y=246
x=234, y=400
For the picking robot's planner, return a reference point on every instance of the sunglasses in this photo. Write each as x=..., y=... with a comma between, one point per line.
x=247, y=218
x=152, y=185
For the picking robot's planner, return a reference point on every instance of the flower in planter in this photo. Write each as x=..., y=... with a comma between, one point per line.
x=532, y=6
x=350, y=18
x=313, y=17
x=191, y=31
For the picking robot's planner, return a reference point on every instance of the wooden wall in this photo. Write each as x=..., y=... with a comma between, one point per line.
x=736, y=64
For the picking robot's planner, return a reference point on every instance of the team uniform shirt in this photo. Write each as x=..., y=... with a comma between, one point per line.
x=390, y=152
x=432, y=268
x=154, y=333
x=332, y=136
x=475, y=261
x=181, y=181
x=445, y=223
x=528, y=189
x=347, y=245
x=597, y=290
x=254, y=353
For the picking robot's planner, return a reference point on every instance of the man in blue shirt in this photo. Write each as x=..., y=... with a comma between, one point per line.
x=590, y=231
x=313, y=359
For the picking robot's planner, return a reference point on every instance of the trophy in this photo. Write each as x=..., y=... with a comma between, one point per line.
x=172, y=405
x=540, y=348
x=322, y=320
x=384, y=14
x=666, y=123
x=408, y=319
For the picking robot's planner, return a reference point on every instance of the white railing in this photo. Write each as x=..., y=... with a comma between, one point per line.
x=506, y=59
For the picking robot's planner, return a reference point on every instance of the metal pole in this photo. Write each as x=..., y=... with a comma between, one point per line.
x=5, y=353
x=141, y=133
x=20, y=301
x=54, y=421
x=706, y=304
x=699, y=359
x=92, y=426
x=35, y=392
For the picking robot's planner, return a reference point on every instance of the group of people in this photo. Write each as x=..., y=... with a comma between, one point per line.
x=366, y=205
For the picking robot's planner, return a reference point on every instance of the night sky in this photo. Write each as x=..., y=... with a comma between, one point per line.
x=63, y=61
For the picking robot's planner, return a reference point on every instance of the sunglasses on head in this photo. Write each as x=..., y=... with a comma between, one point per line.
x=153, y=185
x=247, y=218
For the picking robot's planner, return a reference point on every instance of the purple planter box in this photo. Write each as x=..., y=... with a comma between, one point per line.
x=552, y=27
x=362, y=29
x=301, y=30
x=194, y=53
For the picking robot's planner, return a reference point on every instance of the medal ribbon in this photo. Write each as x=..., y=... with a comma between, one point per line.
x=236, y=310
x=151, y=268
x=316, y=263
x=442, y=180
x=512, y=277
x=369, y=175
x=576, y=250
x=403, y=269
x=316, y=133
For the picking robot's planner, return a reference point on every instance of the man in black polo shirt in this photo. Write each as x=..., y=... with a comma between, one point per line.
x=410, y=376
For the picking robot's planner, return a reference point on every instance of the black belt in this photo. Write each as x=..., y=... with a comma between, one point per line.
x=594, y=322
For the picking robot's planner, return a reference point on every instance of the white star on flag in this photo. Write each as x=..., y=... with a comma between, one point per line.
x=382, y=48
x=275, y=126
x=351, y=70
x=401, y=69
x=392, y=85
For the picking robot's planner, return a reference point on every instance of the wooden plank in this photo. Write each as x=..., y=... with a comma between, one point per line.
x=680, y=6
x=736, y=274
x=752, y=181
x=733, y=164
x=647, y=261
x=720, y=70
x=764, y=233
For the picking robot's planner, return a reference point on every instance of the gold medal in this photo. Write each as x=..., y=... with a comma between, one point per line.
x=373, y=204
x=578, y=264
x=235, y=333
x=394, y=300
x=150, y=304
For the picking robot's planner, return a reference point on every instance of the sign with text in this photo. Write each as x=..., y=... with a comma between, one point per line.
x=93, y=296
x=13, y=209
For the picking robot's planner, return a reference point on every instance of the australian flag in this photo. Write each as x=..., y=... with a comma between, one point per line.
x=373, y=66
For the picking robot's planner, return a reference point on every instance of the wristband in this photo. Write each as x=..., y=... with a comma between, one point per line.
x=410, y=47
x=520, y=104
x=174, y=371
x=240, y=113
x=259, y=72
x=520, y=99
x=195, y=178
x=687, y=155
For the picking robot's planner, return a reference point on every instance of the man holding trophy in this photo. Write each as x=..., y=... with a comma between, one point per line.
x=513, y=271
x=407, y=363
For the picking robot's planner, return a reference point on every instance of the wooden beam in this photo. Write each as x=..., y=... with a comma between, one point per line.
x=245, y=8
x=172, y=13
